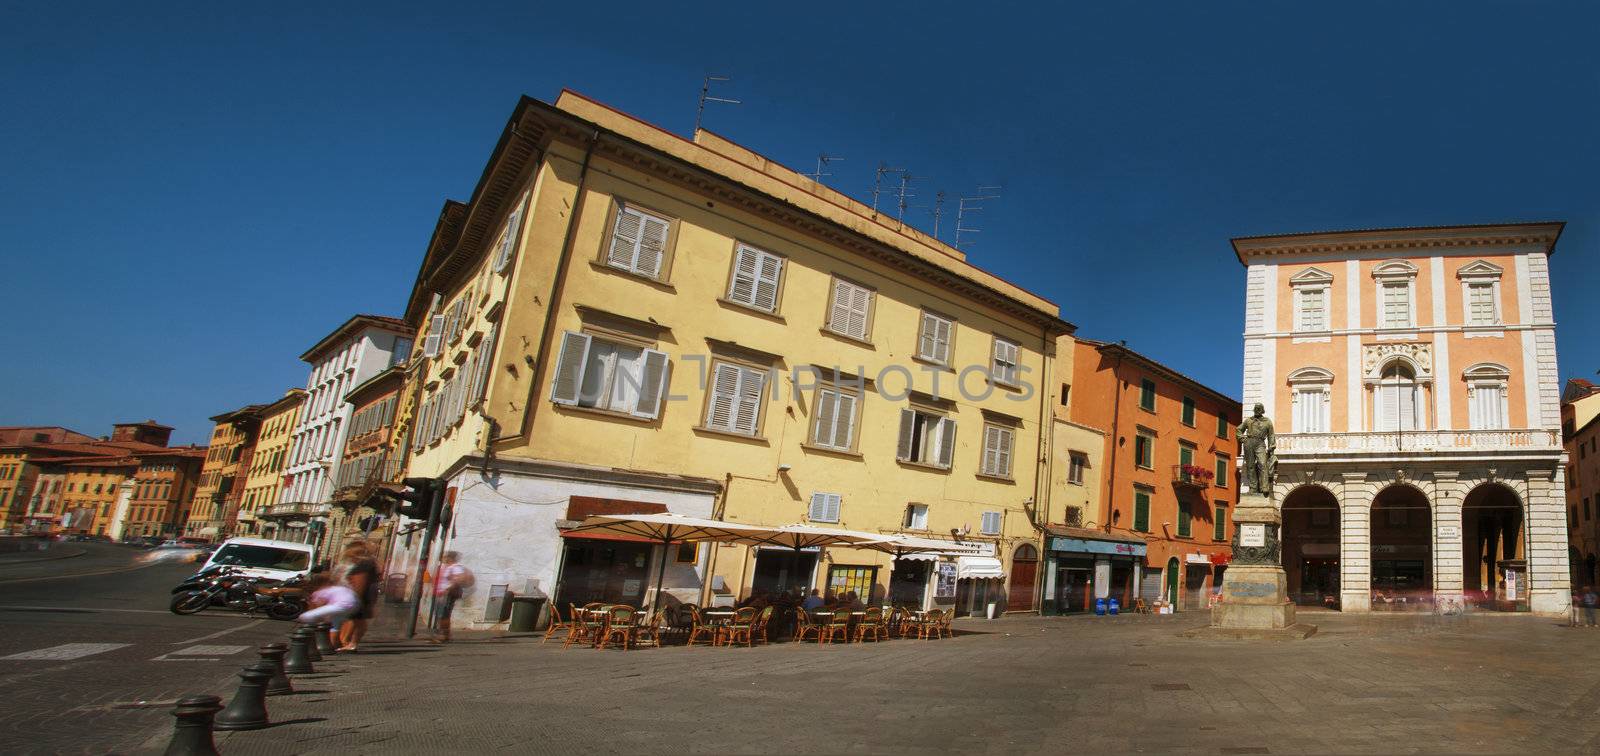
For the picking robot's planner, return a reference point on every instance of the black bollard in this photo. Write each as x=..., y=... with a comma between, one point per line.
x=248, y=709
x=312, y=651
x=298, y=660
x=272, y=653
x=191, y=733
x=325, y=645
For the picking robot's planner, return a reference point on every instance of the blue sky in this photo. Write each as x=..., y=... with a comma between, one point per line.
x=191, y=199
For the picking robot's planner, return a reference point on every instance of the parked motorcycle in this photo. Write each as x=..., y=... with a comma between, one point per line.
x=225, y=588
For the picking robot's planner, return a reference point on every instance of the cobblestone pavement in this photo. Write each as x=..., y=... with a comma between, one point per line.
x=1375, y=684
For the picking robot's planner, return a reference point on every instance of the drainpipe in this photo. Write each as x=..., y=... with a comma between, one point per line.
x=557, y=287
x=1116, y=433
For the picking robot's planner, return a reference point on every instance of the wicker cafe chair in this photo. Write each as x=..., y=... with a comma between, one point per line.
x=946, y=621
x=804, y=626
x=585, y=627
x=743, y=625
x=619, y=624
x=762, y=621
x=902, y=620
x=870, y=624
x=929, y=624
x=556, y=623
x=839, y=625
x=649, y=625
x=697, y=626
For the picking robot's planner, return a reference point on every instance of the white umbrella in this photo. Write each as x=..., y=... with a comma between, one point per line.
x=667, y=527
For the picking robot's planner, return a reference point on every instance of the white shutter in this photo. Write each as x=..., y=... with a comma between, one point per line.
x=947, y=441
x=568, y=381
x=508, y=237
x=723, y=406
x=432, y=343
x=822, y=431
x=844, y=421
x=485, y=363
x=991, y=450
x=1408, y=408
x=848, y=311
x=819, y=507
x=934, y=342
x=1388, y=407
x=907, y=431
x=625, y=238
x=1003, y=452
x=652, y=245
x=989, y=523
x=652, y=385
x=767, y=282
x=746, y=265
x=833, y=502
x=926, y=342
x=750, y=385
x=1005, y=360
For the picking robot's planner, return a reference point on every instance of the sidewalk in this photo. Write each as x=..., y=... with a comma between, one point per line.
x=1361, y=685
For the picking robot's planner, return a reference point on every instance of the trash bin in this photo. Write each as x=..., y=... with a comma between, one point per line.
x=525, y=611
x=1113, y=607
x=1100, y=607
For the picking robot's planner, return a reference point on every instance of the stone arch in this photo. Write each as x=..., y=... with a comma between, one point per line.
x=1401, y=545
x=1494, y=538
x=1311, y=538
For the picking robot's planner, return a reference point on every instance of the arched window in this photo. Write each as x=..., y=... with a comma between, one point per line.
x=1311, y=395
x=1487, y=405
x=1397, y=402
x=1027, y=553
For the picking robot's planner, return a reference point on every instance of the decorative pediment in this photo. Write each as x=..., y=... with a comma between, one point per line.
x=1311, y=375
x=1479, y=269
x=1486, y=371
x=1395, y=269
x=1311, y=277
x=1418, y=355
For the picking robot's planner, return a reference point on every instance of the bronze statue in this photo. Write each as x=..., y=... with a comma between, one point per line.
x=1259, y=446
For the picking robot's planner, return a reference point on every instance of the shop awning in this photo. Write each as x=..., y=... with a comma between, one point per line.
x=603, y=536
x=969, y=567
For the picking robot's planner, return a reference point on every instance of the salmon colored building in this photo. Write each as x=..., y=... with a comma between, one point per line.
x=1166, y=478
x=1411, y=376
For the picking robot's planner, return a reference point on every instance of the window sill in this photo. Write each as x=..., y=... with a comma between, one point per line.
x=826, y=331
x=835, y=452
x=703, y=430
x=1145, y=467
x=1015, y=388
x=751, y=309
x=945, y=366
x=607, y=413
x=997, y=478
x=1151, y=410
x=923, y=466
x=658, y=283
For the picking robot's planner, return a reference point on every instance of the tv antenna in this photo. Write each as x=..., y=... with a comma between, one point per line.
x=972, y=204
x=877, y=183
x=904, y=192
x=823, y=159
x=705, y=97
x=938, y=211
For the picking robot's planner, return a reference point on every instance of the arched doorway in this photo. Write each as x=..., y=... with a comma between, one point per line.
x=1402, y=549
x=1311, y=546
x=1493, y=559
x=1024, y=574
x=1398, y=402
x=1172, y=582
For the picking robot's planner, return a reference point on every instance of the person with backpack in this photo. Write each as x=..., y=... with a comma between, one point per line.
x=453, y=581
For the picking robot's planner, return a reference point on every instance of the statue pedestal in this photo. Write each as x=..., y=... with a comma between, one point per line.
x=1255, y=599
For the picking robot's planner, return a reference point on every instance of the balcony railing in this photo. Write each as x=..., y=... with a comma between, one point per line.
x=294, y=509
x=1530, y=439
x=1191, y=476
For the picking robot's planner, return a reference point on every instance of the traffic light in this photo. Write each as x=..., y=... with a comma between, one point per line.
x=417, y=500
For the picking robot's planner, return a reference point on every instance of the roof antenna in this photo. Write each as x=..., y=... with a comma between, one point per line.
x=938, y=212
x=877, y=183
x=972, y=204
x=823, y=159
x=904, y=191
x=705, y=97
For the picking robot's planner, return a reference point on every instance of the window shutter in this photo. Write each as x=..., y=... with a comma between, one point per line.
x=653, y=385
x=485, y=363
x=947, y=441
x=849, y=313
x=819, y=507
x=1003, y=456
x=991, y=450
x=907, y=430
x=721, y=409
x=508, y=237
x=652, y=245
x=625, y=238
x=1141, y=511
x=844, y=421
x=928, y=338
x=823, y=430
x=833, y=503
x=431, y=344
x=989, y=523
x=746, y=266
x=750, y=385
x=767, y=283
x=568, y=382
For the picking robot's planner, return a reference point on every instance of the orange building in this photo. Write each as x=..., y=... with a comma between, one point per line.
x=74, y=485
x=1167, y=482
x=221, y=480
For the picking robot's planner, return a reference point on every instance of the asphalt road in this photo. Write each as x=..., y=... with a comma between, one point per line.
x=90, y=658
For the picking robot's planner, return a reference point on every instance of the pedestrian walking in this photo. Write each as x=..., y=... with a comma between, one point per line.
x=361, y=575
x=453, y=581
x=331, y=601
x=1591, y=599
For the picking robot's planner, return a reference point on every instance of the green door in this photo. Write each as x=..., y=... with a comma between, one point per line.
x=1172, y=582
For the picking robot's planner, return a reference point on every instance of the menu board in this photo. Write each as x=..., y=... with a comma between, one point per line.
x=945, y=588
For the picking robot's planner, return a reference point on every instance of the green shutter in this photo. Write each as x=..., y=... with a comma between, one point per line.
x=1222, y=426
x=1141, y=511
x=1185, y=455
x=1220, y=524
x=1188, y=411
x=1183, y=519
x=1147, y=394
x=1222, y=472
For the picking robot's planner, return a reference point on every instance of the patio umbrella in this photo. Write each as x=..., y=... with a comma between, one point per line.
x=799, y=537
x=666, y=528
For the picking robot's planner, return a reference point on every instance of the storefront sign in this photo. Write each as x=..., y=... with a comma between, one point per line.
x=1197, y=559
x=1082, y=546
x=1252, y=534
x=945, y=588
x=1449, y=532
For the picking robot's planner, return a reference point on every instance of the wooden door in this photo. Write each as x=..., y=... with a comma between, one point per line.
x=1024, y=574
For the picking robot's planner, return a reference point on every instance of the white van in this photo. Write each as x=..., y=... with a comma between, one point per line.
x=260, y=557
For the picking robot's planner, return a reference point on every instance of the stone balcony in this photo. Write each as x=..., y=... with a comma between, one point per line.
x=1541, y=442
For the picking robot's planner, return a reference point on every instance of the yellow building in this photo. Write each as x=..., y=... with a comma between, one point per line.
x=264, y=478
x=231, y=441
x=622, y=320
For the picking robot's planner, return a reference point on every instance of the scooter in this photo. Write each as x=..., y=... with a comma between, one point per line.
x=225, y=588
